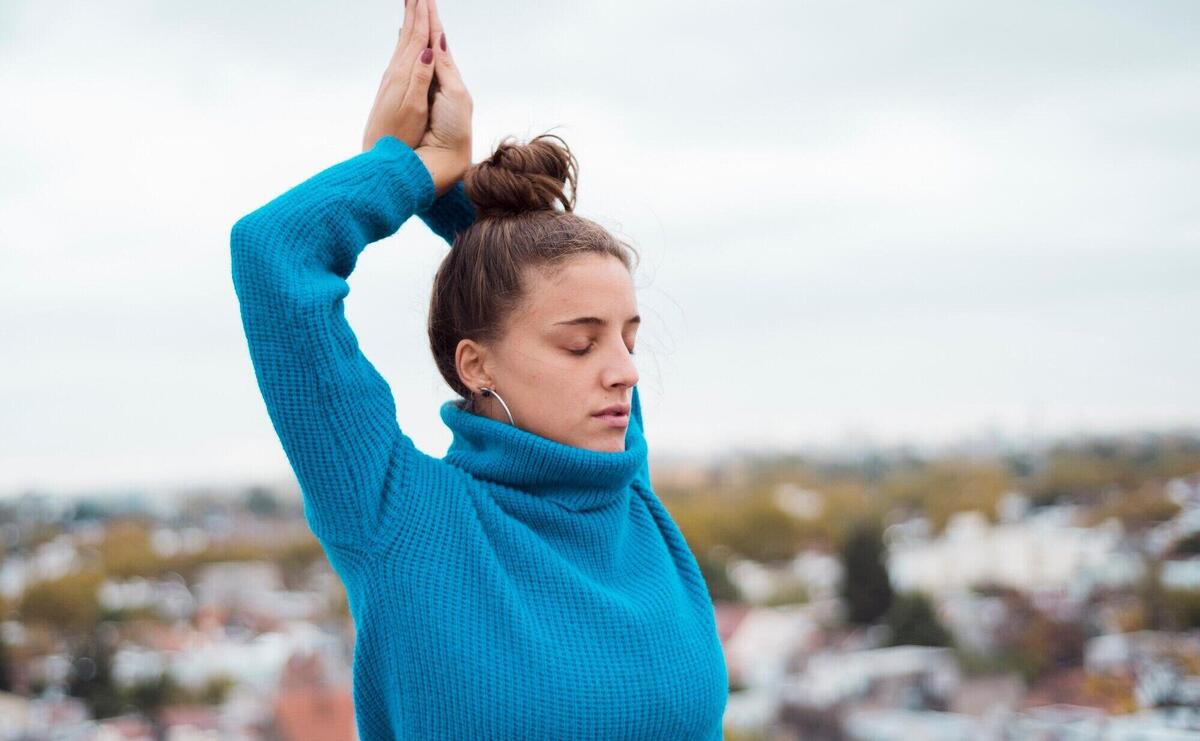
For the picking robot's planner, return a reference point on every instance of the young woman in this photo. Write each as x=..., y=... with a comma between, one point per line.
x=529, y=584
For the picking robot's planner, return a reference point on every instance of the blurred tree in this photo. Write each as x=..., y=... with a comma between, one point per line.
x=126, y=551
x=753, y=526
x=216, y=689
x=1187, y=546
x=1137, y=509
x=5, y=661
x=761, y=531
x=5, y=681
x=261, y=501
x=866, y=587
x=911, y=621
x=68, y=603
x=712, y=568
x=91, y=677
x=296, y=557
x=944, y=487
x=150, y=696
x=788, y=593
x=813, y=723
x=1183, y=608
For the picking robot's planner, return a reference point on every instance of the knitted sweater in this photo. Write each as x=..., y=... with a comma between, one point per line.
x=516, y=588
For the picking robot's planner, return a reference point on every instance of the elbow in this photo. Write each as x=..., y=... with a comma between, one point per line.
x=242, y=242
x=250, y=253
x=263, y=278
x=256, y=276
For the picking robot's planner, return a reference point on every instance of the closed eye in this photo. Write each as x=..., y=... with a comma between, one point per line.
x=588, y=349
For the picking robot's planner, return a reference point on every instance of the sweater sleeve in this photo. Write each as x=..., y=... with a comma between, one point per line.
x=450, y=214
x=333, y=412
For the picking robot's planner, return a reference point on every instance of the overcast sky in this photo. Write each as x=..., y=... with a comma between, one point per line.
x=859, y=221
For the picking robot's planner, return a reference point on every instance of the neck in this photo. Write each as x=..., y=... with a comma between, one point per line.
x=577, y=478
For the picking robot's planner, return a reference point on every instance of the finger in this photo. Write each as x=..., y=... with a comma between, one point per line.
x=406, y=26
x=447, y=71
x=420, y=37
x=416, y=97
x=410, y=45
x=444, y=61
x=435, y=24
x=414, y=14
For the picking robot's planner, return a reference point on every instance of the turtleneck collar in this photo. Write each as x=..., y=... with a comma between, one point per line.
x=577, y=478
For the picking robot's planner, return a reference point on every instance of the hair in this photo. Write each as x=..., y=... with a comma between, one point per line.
x=482, y=279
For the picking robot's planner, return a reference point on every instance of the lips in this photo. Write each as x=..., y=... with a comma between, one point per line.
x=615, y=416
x=614, y=410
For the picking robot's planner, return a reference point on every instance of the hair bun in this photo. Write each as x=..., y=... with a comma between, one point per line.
x=523, y=177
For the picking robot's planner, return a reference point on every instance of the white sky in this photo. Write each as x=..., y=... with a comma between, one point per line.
x=859, y=221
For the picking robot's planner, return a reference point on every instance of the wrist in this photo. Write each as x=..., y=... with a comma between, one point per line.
x=445, y=168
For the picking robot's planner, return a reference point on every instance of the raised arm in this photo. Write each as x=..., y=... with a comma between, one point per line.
x=333, y=412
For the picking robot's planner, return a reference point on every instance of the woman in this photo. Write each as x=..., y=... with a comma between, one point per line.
x=529, y=584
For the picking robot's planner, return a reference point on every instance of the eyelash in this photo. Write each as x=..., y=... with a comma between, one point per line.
x=588, y=349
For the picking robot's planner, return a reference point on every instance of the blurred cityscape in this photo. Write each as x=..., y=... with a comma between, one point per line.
x=1048, y=592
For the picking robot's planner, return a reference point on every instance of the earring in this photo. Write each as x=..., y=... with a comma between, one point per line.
x=489, y=392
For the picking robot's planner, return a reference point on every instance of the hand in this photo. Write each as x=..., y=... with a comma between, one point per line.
x=401, y=106
x=445, y=146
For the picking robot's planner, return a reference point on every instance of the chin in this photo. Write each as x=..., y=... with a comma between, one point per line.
x=611, y=445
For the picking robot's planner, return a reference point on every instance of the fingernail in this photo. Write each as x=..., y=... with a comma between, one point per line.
x=427, y=56
x=443, y=42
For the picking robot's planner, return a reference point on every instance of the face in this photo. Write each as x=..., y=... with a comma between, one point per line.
x=565, y=355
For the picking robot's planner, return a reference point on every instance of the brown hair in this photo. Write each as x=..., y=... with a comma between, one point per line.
x=481, y=280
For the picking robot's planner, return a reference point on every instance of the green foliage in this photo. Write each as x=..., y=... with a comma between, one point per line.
x=1188, y=546
x=216, y=689
x=151, y=695
x=91, y=677
x=1084, y=472
x=753, y=527
x=1137, y=509
x=68, y=603
x=5, y=664
x=865, y=585
x=1183, y=608
x=712, y=568
x=296, y=557
x=125, y=550
x=762, y=531
x=942, y=488
x=911, y=621
x=788, y=594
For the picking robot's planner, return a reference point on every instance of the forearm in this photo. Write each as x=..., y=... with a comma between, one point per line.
x=322, y=224
x=450, y=213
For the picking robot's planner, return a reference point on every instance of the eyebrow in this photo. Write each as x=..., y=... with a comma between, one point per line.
x=597, y=321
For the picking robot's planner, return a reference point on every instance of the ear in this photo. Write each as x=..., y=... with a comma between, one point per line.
x=472, y=363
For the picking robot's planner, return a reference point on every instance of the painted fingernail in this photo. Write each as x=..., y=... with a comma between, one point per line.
x=443, y=42
x=427, y=56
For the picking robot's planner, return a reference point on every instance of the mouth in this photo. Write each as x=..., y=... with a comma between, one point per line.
x=616, y=415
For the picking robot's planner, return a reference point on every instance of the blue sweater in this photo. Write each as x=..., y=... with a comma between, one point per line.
x=516, y=588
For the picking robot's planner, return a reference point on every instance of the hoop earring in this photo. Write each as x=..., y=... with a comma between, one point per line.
x=489, y=392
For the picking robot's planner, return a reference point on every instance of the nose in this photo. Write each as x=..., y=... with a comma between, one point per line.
x=620, y=370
